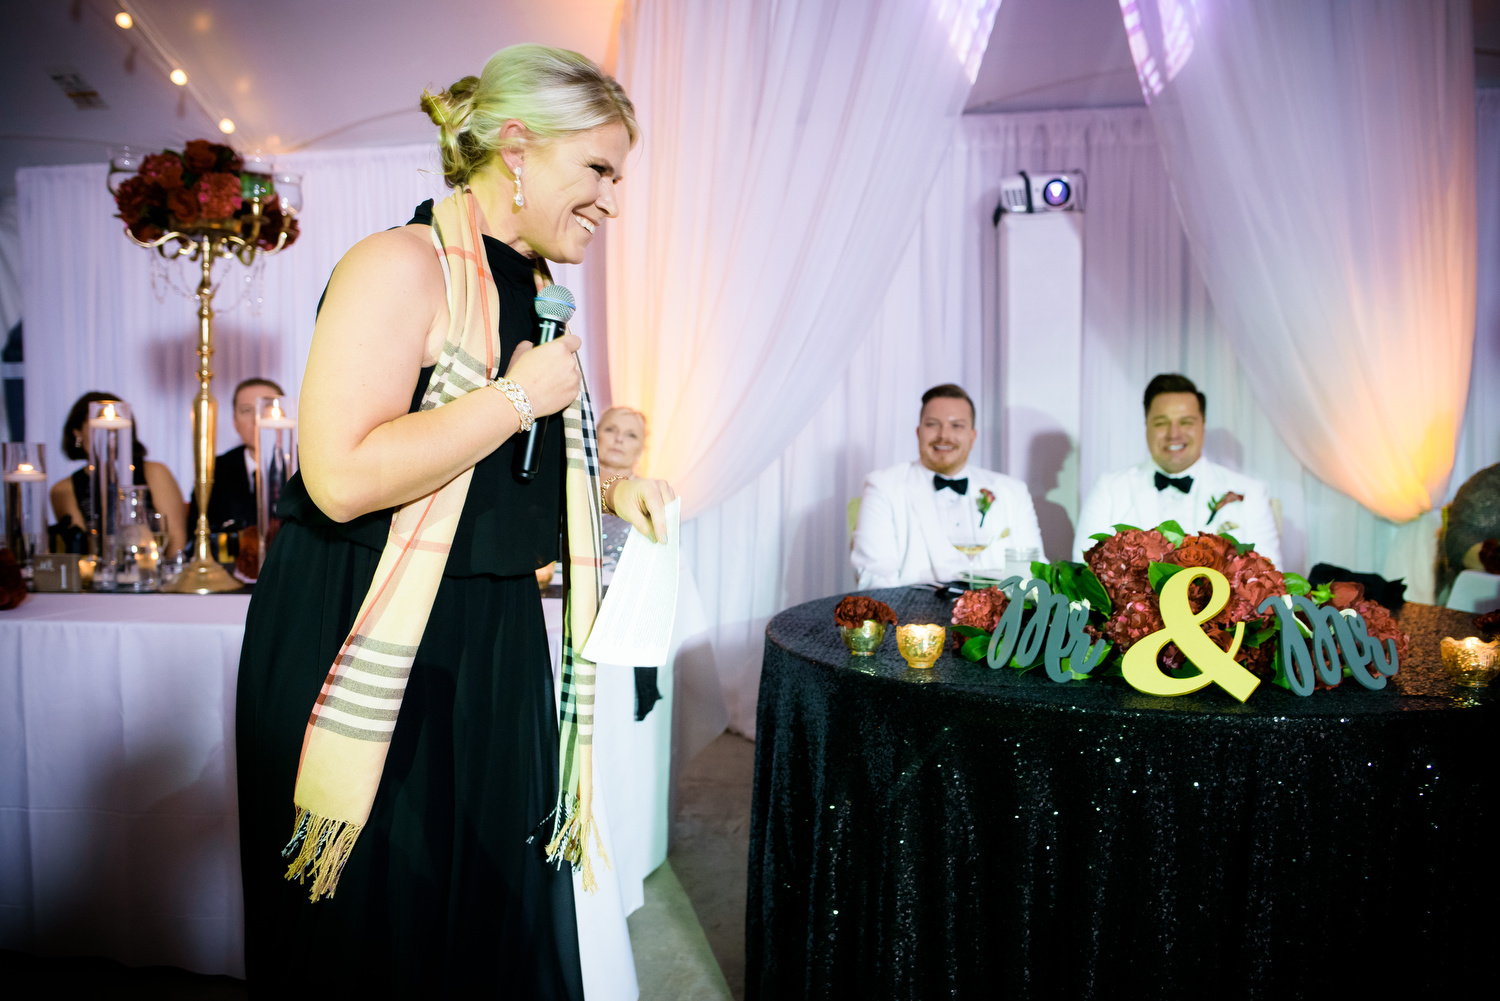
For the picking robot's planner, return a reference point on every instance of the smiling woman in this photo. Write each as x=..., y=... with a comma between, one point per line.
x=395, y=684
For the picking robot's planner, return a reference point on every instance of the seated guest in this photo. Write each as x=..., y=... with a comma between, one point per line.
x=622, y=436
x=912, y=515
x=231, y=506
x=73, y=496
x=1177, y=483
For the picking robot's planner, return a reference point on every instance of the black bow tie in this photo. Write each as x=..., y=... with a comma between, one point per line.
x=959, y=487
x=1183, y=483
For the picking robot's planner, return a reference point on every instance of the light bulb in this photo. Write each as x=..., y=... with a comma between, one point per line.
x=226, y=126
x=124, y=20
x=178, y=77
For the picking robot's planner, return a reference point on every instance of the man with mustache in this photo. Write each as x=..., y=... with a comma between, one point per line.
x=914, y=516
x=1177, y=483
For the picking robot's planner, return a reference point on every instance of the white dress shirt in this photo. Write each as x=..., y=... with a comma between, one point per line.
x=1130, y=497
x=907, y=529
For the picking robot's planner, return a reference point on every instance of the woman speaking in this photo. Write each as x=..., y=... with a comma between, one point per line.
x=407, y=792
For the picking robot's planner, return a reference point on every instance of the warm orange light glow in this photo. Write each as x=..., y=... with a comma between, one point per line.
x=178, y=77
x=108, y=413
x=124, y=20
x=226, y=126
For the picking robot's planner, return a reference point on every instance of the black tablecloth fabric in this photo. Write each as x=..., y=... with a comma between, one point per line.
x=963, y=832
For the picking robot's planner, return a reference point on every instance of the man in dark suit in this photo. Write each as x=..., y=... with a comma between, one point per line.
x=231, y=506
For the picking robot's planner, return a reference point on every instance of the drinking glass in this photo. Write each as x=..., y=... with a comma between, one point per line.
x=140, y=557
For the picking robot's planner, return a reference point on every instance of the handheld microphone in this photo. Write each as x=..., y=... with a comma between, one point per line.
x=554, y=306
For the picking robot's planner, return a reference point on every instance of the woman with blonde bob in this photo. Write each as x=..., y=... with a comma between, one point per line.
x=411, y=804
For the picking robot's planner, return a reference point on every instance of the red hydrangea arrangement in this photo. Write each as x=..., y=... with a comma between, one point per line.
x=201, y=184
x=856, y=608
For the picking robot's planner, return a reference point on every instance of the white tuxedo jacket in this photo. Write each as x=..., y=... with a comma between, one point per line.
x=901, y=539
x=1129, y=496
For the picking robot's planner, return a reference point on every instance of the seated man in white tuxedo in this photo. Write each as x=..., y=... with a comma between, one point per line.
x=1177, y=483
x=913, y=515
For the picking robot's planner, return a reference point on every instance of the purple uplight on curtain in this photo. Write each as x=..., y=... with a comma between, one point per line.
x=1322, y=158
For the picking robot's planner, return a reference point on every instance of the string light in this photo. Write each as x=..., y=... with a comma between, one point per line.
x=124, y=20
x=226, y=126
x=179, y=78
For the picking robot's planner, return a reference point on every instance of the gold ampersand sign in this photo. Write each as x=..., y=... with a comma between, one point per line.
x=1183, y=628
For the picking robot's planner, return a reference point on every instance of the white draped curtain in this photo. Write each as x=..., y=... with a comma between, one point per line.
x=782, y=539
x=787, y=151
x=101, y=315
x=1322, y=155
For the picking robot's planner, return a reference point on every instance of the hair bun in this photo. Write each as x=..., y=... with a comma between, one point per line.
x=449, y=109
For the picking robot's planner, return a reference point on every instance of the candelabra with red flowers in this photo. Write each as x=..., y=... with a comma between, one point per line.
x=201, y=204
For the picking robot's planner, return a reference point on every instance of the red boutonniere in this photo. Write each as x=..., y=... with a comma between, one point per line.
x=984, y=501
x=1215, y=503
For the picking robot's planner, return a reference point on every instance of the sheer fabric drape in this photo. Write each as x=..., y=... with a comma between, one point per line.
x=782, y=539
x=787, y=150
x=1322, y=156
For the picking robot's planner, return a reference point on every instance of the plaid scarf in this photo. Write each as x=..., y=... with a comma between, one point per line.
x=349, y=731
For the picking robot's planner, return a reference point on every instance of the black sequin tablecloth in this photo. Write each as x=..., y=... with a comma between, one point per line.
x=968, y=833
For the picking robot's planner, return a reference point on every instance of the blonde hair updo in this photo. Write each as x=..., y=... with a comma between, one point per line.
x=553, y=92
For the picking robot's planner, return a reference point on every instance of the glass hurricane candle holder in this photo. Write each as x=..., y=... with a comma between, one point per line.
x=1471, y=663
x=921, y=644
x=25, y=480
x=111, y=446
x=864, y=639
x=275, y=463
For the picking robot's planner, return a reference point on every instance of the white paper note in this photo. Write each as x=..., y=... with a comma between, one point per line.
x=634, y=624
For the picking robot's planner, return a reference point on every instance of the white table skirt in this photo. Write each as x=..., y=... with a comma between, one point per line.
x=119, y=820
x=119, y=823
x=1475, y=591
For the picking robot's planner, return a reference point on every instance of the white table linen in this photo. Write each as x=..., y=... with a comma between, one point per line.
x=119, y=819
x=1475, y=591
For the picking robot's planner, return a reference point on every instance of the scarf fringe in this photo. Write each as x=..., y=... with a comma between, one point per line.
x=319, y=848
x=570, y=844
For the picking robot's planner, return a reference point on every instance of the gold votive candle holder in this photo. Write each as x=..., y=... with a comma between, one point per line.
x=864, y=639
x=921, y=644
x=1471, y=663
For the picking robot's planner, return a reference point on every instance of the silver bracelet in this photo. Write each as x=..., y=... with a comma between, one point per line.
x=518, y=399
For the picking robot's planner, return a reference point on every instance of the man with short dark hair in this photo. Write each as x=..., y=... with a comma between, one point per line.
x=915, y=516
x=1177, y=483
x=231, y=507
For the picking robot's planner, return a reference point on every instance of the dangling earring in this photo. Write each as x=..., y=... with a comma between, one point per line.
x=519, y=200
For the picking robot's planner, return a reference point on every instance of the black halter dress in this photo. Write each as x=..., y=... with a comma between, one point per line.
x=443, y=894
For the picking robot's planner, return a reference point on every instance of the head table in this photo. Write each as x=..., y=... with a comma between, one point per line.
x=968, y=832
x=119, y=820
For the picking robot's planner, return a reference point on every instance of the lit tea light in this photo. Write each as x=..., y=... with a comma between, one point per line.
x=109, y=418
x=25, y=472
x=275, y=417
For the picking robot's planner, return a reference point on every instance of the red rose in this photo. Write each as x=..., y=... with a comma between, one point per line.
x=856, y=608
x=227, y=159
x=980, y=609
x=1204, y=550
x=219, y=195
x=183, y=204
x=200, y=156
x=1346, y=594
x=1381, y=625
x=135, y=196
x=163, y=168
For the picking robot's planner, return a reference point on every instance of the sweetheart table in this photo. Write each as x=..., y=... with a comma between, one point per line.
x=972, y=833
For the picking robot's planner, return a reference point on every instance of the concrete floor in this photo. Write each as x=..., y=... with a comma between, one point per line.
x=688, y=938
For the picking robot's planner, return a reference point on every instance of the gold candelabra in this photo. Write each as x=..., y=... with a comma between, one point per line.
x=205, y=241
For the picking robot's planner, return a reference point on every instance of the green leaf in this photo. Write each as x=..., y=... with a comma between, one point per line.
x=969, y=631
x=1278, y=669
x=1259, y=633
x=1101, y=536
x=975, y=647
x=1159, y=573
x=1172, y=531
x=1066, y=582
x=1125, y=528
x=1296, y=583
x=1321, y=595
x=1090, y=587
x=1240, y=547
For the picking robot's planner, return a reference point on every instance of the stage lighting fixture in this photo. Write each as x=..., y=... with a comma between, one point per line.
x=1022, y=192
